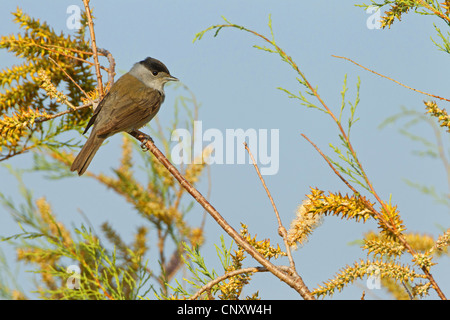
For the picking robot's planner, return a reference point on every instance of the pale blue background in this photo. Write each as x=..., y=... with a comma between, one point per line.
x=236, y=85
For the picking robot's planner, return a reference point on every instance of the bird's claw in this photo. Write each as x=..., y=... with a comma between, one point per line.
x=144, y=143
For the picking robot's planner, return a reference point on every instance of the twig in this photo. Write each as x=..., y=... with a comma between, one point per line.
x=59, y=114
x=440, y=148
x=71, y=79
x=330, y=164
x=386, y=77
x=94, y=48
x=112, y=65
x=436, y=12
x=46, y=47
x=281, y=229
x=407, y=291
x=208, y=196
x=295, y=281
x=207, y=287
x=15, y=153
x=174, y=263
x=103, y=289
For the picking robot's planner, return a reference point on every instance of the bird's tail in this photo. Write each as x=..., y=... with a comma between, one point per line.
x=86, y=154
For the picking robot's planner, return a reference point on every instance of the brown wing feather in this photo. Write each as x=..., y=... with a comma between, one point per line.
x=132, y=114
x=131, y=110
x=96, y=112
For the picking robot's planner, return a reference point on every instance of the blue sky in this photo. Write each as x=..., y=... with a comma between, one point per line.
x=237, y=88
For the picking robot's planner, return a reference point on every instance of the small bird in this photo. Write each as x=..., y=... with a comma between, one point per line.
x=131, y=103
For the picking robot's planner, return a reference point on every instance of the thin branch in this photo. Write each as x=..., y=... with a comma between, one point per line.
x=94, y=48
x=174, y=264
x=47, y=47
x=112, y=65
x=281, y=229
x=440, y=148
x=59, y=114
x=71, y=79
x=295, y=281
x=207, y=287
x=386, y=77
x=15, y=153
x=330, y=164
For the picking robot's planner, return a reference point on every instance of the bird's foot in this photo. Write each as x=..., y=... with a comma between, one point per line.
x=144, y=142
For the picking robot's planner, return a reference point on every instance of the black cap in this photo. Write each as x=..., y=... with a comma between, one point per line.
x=154, y=65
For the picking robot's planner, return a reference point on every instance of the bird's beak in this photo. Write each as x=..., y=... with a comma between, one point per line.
x=171, y=78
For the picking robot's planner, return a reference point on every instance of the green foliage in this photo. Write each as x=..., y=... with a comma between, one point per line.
x=208, y=284
x=445, y=46
x=437, y=149
x=47, y=244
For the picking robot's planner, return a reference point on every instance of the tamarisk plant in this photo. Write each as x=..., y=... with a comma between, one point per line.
x=32, y=116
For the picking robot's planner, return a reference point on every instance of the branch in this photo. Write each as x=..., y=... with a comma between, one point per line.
x=59, y=114
x=294, y=281
x=112, y=65
x=386, y=77
x=281, y=229
x=331, y=165
x=94, y=48
x=70, y=78
x=212, y=283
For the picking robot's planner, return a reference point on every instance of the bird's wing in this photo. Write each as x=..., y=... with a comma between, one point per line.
x=132, y=111
x=97, y=110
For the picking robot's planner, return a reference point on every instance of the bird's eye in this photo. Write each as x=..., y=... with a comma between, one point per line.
x=155, y=73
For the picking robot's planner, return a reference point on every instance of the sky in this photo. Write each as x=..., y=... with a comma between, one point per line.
x=236, y=85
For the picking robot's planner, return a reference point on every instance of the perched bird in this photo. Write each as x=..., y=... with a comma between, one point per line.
x=132, y=102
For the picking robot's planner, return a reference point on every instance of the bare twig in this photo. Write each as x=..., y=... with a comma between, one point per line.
x=281, y=229
x=15, y=153
x=71, y=79
x=112, y=65
x=59, y=114
x=330, y=164
x=207, y=287
x=94, y=48
x=47, y=47
x=386, y=77
x=295, y=281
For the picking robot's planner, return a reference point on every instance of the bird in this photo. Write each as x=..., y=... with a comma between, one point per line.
x=131, y=103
